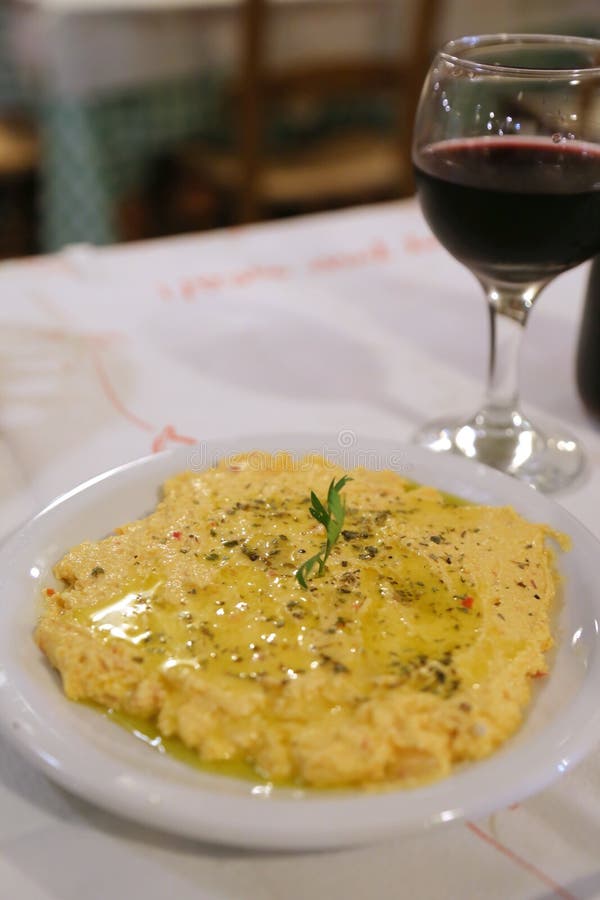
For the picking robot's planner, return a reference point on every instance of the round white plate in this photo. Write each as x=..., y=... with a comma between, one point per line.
x=96, y=759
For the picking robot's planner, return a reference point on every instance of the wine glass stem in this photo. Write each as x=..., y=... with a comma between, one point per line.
x=509, y=306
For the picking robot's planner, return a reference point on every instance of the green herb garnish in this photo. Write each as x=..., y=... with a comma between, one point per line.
x=332, y=518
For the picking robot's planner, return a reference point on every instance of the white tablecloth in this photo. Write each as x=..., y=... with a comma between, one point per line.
x=76, y=49
x=354, y=322
x=82, y=47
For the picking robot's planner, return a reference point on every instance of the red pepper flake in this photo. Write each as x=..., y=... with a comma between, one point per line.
x=539, y=674
x=235, y=468
x=176, y=535
x=50, y=592
x=467, y=602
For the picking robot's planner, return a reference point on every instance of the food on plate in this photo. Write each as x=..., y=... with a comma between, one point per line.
x=408, y=645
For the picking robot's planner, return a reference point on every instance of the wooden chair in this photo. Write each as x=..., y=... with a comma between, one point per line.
x=19, y=149
x=363, y=164
x=19, y=159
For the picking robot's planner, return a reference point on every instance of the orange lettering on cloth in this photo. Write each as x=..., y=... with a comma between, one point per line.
x=170, y=436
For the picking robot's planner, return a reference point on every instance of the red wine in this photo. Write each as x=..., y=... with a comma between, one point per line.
x=519, y=209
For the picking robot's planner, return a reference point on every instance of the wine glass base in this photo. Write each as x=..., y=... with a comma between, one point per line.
x=547, y=458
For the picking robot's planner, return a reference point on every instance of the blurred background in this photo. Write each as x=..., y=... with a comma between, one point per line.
x=129, y=119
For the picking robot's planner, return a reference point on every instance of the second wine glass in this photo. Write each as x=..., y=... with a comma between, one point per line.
x=507, y=166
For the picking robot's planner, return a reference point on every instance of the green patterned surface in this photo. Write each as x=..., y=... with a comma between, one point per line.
x=13, y=92
x=109, y=143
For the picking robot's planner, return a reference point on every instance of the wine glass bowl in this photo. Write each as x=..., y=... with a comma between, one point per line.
x=507, y=166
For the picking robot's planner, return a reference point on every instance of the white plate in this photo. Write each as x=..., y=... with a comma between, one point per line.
x=93, y=757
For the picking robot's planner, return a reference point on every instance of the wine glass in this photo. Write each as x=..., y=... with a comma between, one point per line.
x=507, y=166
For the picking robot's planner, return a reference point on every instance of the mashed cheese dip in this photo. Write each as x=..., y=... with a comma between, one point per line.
x=414, y=652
